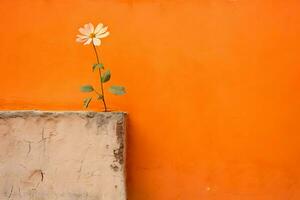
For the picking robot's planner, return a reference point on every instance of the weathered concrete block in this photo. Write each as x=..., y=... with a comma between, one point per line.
x=62, y=155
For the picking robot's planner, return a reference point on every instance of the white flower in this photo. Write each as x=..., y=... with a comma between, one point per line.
x=89, y=34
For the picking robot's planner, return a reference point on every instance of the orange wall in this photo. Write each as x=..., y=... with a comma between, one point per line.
x=213, y=87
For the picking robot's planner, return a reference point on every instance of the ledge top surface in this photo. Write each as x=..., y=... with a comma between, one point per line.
x=60, y=112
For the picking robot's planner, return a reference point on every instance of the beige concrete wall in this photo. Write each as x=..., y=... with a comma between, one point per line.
x=62, y=156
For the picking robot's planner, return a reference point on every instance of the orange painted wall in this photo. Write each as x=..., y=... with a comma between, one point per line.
x=213, y=87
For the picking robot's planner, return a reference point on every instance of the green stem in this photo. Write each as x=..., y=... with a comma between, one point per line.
x=102, y=91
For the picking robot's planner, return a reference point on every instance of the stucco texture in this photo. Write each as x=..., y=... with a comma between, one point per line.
x=62, y=155
x=213, y=87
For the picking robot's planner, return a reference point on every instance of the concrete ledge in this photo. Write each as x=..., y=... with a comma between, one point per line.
x=62, y=155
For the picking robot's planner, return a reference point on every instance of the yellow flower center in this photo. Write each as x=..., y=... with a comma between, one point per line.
x=92, y=35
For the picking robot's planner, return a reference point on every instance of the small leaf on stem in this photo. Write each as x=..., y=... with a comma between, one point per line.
x=86, y=88
x=117, y=89
x=100, y=65
x=100, y=97
x=105, y=76
x=87, y=101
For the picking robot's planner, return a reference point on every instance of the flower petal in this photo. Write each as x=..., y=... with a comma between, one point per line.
x=102, y=35
x=103, y=30
x=82, y=36
x=79, y=40
x=84, y=31
x=88, y=41
x=98, y=28
x=91, y=27
x=96, y=41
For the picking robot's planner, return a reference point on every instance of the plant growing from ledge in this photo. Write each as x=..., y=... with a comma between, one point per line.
x=91, y=35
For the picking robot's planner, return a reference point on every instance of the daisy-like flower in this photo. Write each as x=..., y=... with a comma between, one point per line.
x=91, y=34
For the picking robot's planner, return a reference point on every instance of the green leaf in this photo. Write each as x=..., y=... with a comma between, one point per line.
x=86, y=88
x=86, y=102
x=100, y=65
x=117, y=89
x=105, y=76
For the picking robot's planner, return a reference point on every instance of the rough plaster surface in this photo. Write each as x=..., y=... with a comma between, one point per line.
x=62, y=155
